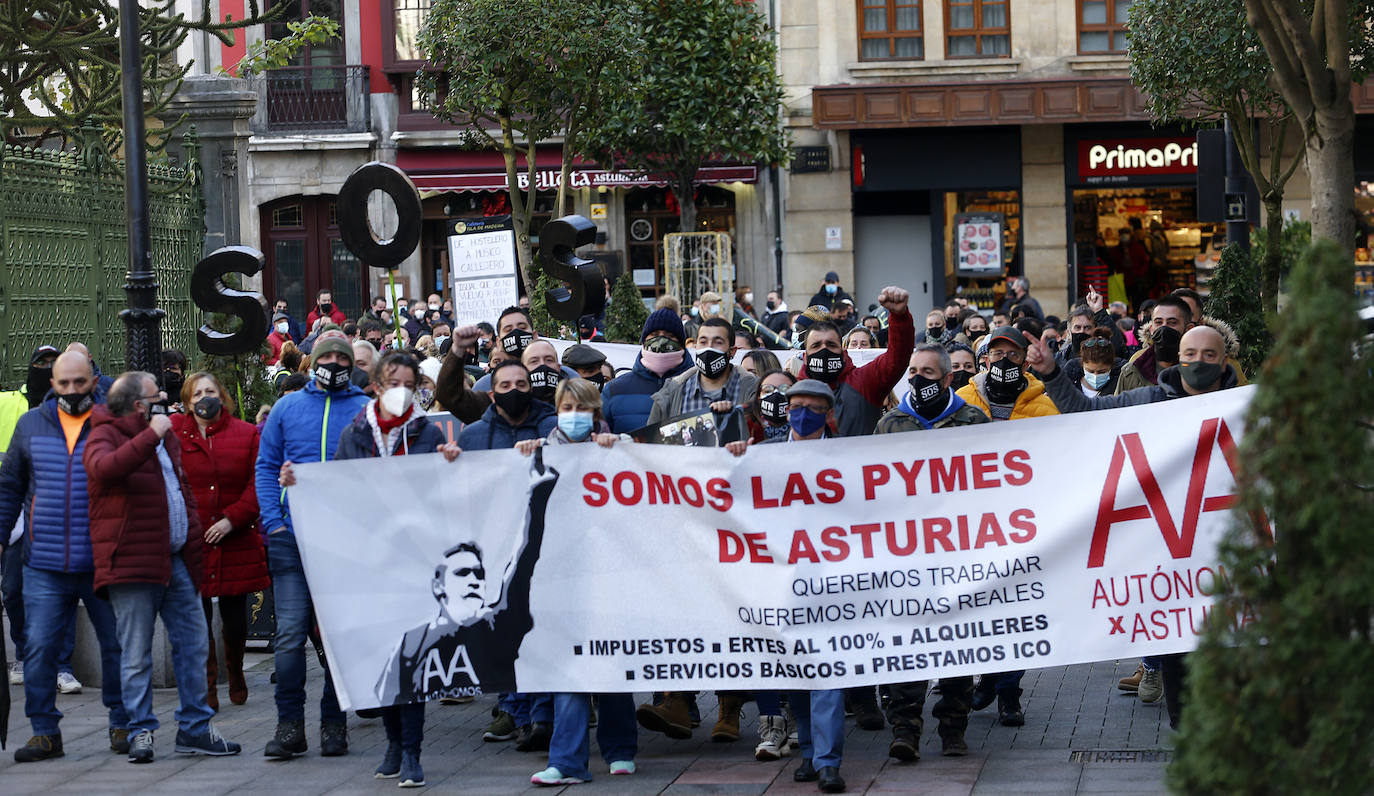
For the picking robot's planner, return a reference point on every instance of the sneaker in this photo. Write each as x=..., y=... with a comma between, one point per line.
x=953, y=746
x=39, y=747
x=502, y=728
x=1132, y=683
x=141, y=747
x=535, y=737
x=552, y=776
x=119, y=741
x=17, y=673
x=333, y=740
x=1009, y=712
x=67, y=683
x=985, y=693
x=390, y=767
x=772, y=739
x=288, y=742
x=1151, y=686
x=209, y=742
x=412, y=776
x=622, y=767
x=905, y=748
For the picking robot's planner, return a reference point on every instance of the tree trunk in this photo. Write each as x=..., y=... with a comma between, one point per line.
x=520, y=212
x=1273, y=254
x=685, y=193
x=569, y=147
x=1331, y=167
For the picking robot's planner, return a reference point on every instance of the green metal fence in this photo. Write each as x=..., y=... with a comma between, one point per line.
x=64, y=252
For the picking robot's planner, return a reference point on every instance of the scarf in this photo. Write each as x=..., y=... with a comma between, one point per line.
x=386, y=432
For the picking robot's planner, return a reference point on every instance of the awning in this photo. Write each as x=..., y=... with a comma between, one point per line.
x=437, y=170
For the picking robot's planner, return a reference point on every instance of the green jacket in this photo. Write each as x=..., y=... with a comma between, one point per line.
x=897, y=421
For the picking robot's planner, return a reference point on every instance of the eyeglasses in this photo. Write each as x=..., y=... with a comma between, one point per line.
x=1000, y=354
x=157, y=396
x=662, y=345
x=1096, y=342
x=769, y=389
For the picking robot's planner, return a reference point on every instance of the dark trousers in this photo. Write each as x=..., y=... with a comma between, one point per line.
x=906, y=702
x=405, y=725
x=1174, y=669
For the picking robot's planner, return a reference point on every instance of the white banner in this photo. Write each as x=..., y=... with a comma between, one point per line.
x=622, y=355
x=805, y=565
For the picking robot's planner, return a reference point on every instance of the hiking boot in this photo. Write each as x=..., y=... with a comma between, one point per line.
x=806, y=772
x=333, y=740
x=985, y=693
x=772, y=739
x=672, y=718
x=288, y=742
x=953, y=746
x=209, y=742
x=1151, y=686
x=39, y=747
x=119, y=741
x=535, y=737
x=141, y=747
x=1009, y=708
x=390, y=767
x=830, y=780
x=502, y=727
x=869, y=718
x=904, y=747
x=1132, y=683
x=726, y=729
x=412, y=776
x=67, y=683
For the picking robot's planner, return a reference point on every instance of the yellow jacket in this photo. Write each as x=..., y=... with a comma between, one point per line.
x=1032, y=402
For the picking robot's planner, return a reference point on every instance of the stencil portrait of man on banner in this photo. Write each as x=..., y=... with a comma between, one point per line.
x=470, y=646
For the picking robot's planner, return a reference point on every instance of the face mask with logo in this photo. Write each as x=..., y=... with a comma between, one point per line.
x=599, y=379
x=75, y=403
x=773, y=406
x=544, y=382
x=333, y=376
x=515, y=341
x=207, y=408
x=711, y=362
x=824, y=365
x=1200, y=375
x=960, y=380
x=1097, y=380
x=1165, y=340
x=424, y=397
x=514, y=403
x=929, y=396
x=577, y=426
x=397, y=400
x=805, y=421
x=1005, y=381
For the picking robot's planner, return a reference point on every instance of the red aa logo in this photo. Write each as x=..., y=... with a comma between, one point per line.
x=1213, y=434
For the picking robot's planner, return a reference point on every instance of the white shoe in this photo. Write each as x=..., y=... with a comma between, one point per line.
x=67, y=684
x=552, y=776
x=772, y=739
x=17, y=673
x=622, y=767
x=1151, y=686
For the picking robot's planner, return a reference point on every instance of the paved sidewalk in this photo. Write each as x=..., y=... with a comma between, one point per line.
x=1069, y=711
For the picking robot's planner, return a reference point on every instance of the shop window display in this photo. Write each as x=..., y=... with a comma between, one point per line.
x=1364, y=242
x=981, y=291
x=652, y=213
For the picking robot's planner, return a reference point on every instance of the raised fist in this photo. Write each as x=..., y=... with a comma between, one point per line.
x=893, y=298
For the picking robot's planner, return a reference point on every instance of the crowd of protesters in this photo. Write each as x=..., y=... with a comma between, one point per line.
x=142, y=500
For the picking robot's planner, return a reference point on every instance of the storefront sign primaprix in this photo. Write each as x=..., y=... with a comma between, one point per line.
x=803, y=565
x=1118, y=160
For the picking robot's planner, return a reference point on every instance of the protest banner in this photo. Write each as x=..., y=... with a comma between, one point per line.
x=801, y=565
x=482, y=263
x=622, y=355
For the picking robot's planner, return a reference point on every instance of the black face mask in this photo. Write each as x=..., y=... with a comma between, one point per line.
x=1200, y=375
x=515, y=341
x=930, y=398
x=171, y=384
x=960, y=380
x=333, y=376
x=1076, y=340
x=207, y=408
x=935, y=332
x=599, y=379
x=37, y=384
x=772, y=305
x=326, y=309
x=514, y=403
x=1005, y=381
x=544, y=382
x=76, y=403
x=1166, y=340
x=711, y=362
x=773, y=406
x=824, y=365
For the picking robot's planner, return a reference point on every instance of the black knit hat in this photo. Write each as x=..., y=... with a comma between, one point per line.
x=666, y=320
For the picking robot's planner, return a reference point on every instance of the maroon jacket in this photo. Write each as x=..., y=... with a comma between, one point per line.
x=861, y=392
x=219, y=468
x=130, y=539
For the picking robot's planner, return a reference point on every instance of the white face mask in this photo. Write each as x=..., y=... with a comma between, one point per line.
x=713, y=309
x=397, y=400
x=283, y=327
x=433, y=307
x=748, y=298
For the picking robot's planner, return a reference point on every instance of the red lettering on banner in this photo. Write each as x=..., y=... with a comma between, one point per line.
x=989, y=532
x=865, y=533
x=597, y=494
x=618, y=487
x=828, y=487
x=796, y=491
x=758, y=548
x=1021, y=521
x=1018, y=461
x=937, y=529
x=985, y=471
x=719, y=491
x=909, y=474
x=661, y=489
x=1180, y=541
x=802, y=549
x=833, y=537
x=734, y=546
x=731, y=546
x=761, y=502
x=875, y=475
x=948, y=477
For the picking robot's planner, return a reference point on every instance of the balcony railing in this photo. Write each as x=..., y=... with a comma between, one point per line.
x=321, y=99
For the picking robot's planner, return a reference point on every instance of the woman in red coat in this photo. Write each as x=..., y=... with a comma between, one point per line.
x=218, y=454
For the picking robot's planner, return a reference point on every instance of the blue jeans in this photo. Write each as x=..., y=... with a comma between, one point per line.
x=526, y=708
x=1150, y=662
x=295, y=617
x=12, y=597
x=617, y=733
x=49, y=607
x=137, y=607
x=820, y=725
x=405, y=725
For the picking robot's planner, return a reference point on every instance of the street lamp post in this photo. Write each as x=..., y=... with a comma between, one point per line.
x=142, y=316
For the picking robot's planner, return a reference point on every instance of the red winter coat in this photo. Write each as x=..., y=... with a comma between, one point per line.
x=335, y=316
x=130, y=539
x=219, y=468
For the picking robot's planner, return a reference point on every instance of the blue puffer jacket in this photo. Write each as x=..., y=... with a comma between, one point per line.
x=627, y=400
x=492, y=432
x=40, y=476
x=303, y=427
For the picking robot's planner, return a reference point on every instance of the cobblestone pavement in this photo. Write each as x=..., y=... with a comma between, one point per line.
x=1074, y=709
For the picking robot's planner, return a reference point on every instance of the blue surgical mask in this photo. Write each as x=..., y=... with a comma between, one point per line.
x=832, y=289
x=1097, y=380
x=575, y=425
x=805, y=420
